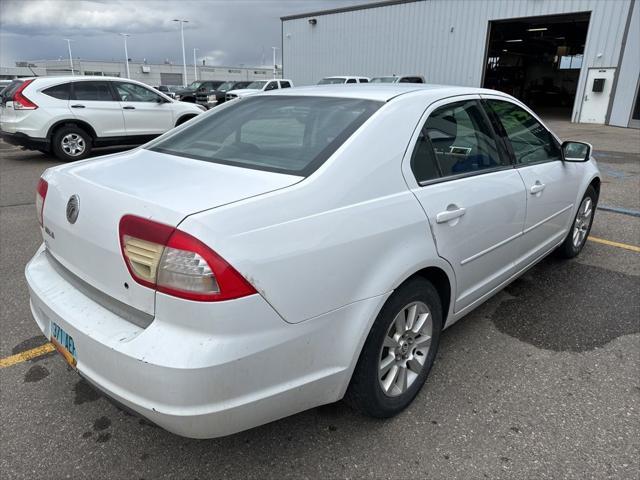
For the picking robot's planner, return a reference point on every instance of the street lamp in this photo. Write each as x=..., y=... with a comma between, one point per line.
x=275, y=67
x=126, y=54
x=195, y=65
x=70, y=56
x=184, y=58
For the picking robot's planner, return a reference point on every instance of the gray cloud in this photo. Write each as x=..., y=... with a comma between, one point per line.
x=225, y=32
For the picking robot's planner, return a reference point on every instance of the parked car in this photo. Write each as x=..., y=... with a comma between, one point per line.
x=398, y=79
x=188, y=94
x=298, y=247
x=258, y=86
x=166, y=89
x=338, y=80
x=217, y=97
x=69, y=116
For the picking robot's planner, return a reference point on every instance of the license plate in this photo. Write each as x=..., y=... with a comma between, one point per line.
x=64, y=344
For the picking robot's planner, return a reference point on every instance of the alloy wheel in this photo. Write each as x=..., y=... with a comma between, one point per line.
x=405, y=349
x=73, y=144
x=583, y=222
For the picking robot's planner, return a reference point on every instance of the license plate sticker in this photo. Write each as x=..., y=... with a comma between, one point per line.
x=64, y=344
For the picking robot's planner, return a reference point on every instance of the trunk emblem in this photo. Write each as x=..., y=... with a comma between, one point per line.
x=73, y=209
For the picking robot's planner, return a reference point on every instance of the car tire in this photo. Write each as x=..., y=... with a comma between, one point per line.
x=393, y=365
x=71, y=143
x=581, y=226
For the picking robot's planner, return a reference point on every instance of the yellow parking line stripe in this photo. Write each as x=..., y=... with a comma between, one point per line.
x=626, y=246
x=26, y=355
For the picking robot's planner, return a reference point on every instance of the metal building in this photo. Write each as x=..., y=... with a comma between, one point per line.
x=577, y=59
x=151, y=74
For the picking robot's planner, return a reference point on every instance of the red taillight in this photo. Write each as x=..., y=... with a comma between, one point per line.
x=173, y=262
x=41, y=195
x=20, y=102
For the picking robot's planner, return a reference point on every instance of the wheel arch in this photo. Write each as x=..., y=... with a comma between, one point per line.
x=185, y=117
x=78, y=123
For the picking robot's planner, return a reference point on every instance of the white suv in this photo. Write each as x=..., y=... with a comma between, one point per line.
x=258, y=86
x=70, y=115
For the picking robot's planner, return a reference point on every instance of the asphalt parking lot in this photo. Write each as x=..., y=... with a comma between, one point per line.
x=543, y=381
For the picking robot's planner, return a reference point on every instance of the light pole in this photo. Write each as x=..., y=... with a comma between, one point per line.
x=126, y=54
x=70, y=56
x=195, y=65
x=184, y=58
x=275, y=67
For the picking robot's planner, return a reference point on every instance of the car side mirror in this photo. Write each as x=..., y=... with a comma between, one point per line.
x=576, y=151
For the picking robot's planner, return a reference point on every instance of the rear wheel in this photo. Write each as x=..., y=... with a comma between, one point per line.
x=71, y=143
x=399, y=351
x=577, y=236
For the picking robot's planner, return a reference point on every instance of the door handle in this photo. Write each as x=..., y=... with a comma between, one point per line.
x=129, y=107
x=537, y=187
x=77, y=106
x=452, y=212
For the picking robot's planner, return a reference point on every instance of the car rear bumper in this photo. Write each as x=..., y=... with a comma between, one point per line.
x=23, y=140
x=199, y=369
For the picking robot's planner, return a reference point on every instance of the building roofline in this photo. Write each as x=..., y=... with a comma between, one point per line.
x=365, y=6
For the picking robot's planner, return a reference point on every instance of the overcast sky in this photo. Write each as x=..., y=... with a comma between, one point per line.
x=225, y=32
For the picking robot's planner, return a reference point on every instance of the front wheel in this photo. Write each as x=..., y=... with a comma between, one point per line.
x=399, y=351
x=577, y=236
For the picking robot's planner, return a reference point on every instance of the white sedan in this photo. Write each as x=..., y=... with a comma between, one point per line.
x=293, y=248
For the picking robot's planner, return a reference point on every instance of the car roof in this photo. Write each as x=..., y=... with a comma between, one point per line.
x=382, y=92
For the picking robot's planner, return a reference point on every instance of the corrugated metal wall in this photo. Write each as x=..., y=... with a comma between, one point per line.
x=629, y=72
x=444, y=40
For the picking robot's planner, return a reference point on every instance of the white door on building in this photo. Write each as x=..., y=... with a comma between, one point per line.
x=596, y=95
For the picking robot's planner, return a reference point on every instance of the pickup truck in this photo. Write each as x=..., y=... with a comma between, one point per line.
x=189, y=94
x=210, y=99
x=258, y=86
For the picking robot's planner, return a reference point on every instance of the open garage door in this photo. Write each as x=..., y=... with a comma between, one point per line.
x=538, y=60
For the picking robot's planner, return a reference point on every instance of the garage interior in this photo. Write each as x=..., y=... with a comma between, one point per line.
x=538, y=60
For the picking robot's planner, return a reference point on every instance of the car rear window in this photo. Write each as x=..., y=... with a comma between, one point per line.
x=284, y=134
x=8, y=91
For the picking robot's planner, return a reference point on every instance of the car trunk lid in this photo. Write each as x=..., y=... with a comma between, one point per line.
x=163, y=188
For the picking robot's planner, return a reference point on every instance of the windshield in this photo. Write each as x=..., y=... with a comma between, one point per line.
x=383, y=80
x=225, y=86
x=331, y=81
x=257, y=85
x=284, y=134
x=194, y=85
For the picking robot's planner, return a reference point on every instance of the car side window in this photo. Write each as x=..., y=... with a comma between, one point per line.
x=61, y=92
x=131, y=92
x=94, y=91
x=530, y=141
x=285, y=85
x=271, y=86
x=351, y=80
x=364, y=80
x=456, y=139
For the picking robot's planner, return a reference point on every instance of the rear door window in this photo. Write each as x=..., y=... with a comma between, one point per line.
x=61, y=92
x=92, y=91
x=285, y=84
